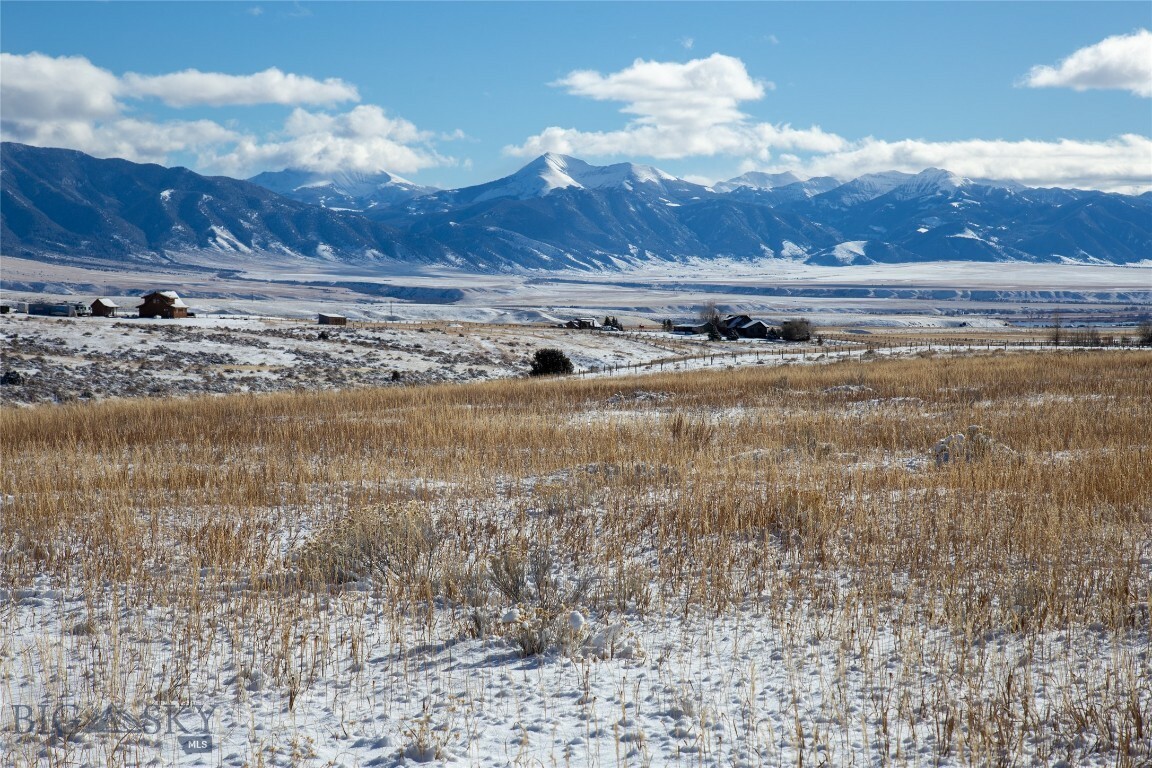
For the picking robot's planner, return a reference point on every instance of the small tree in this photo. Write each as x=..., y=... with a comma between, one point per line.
x=1144, y=333
x=1056, y=335
x=550, y=362
x=796, y=330
x=709, y=313
x=717, y=331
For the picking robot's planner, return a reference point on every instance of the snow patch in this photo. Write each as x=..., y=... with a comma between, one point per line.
x=847, y=253
x=226, y=241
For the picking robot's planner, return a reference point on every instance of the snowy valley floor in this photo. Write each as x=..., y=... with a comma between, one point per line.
x=909, y=557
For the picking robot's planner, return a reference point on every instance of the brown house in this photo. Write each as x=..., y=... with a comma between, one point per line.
x=326, y=319
x=104, y=308
x=165, y=304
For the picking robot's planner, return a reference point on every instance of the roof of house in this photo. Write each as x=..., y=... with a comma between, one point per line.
x=106, y=303
x=176, y=300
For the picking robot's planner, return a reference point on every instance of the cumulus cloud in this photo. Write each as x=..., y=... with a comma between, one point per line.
x=701, y=92
x=1121, y=62
x=682, y=110
x=36, y=87
x=70, y=102
x=364, y=139
x=193, y=88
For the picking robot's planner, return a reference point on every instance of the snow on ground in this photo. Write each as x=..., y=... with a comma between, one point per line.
x=667, y=689
x=759, y=685
x=60, y=359
x=772, y=288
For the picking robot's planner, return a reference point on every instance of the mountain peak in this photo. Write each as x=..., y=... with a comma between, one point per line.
x=353, y=190
x=930, y=181
x=552, y=171
x=758, y=180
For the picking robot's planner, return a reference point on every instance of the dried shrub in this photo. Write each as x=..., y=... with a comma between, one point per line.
x=391, y=544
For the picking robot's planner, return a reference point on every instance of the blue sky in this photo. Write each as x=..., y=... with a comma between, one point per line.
x=452, y=94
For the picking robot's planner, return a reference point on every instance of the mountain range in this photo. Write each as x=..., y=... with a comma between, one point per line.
x=556, y=212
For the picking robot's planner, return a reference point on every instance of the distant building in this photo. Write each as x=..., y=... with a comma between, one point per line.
x=165, y=304
x=104, y=308
x=13, y=306
x=326, y=319
x=747, y=328
x=731, y=327
x=582, y=323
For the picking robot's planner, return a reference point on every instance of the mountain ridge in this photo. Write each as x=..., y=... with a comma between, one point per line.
x=556, y=212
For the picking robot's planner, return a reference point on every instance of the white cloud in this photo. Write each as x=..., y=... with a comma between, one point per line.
x=1122, y=164
x=36, y=87
x=137, y=140
x=681, y=110
x=1121, y=62
x=70, y=102
x=193, y=87
x=364, y=139
x=701, y=92
x=692, y=110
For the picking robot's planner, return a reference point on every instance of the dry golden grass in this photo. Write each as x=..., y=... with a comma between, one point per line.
x=796, y=487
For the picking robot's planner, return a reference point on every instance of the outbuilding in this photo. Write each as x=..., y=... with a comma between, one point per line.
x=692, y=327
x=104, y=308
x=326, y=319
x=51, y=309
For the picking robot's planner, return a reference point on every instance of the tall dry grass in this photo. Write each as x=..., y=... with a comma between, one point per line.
x=805, y=490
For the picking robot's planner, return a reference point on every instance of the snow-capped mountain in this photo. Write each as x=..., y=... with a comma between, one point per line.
x=63, y=205
x=863, y=188
x=776, y=188
x=343, y=190
x=551, y=172
x=556, y=212
x=757, y=180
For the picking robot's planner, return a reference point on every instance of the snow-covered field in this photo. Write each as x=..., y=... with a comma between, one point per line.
x=753, y=686
x=917, y=294
x=153, y=612
x=45, y=359
x=63, y=359
x=769, y=565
